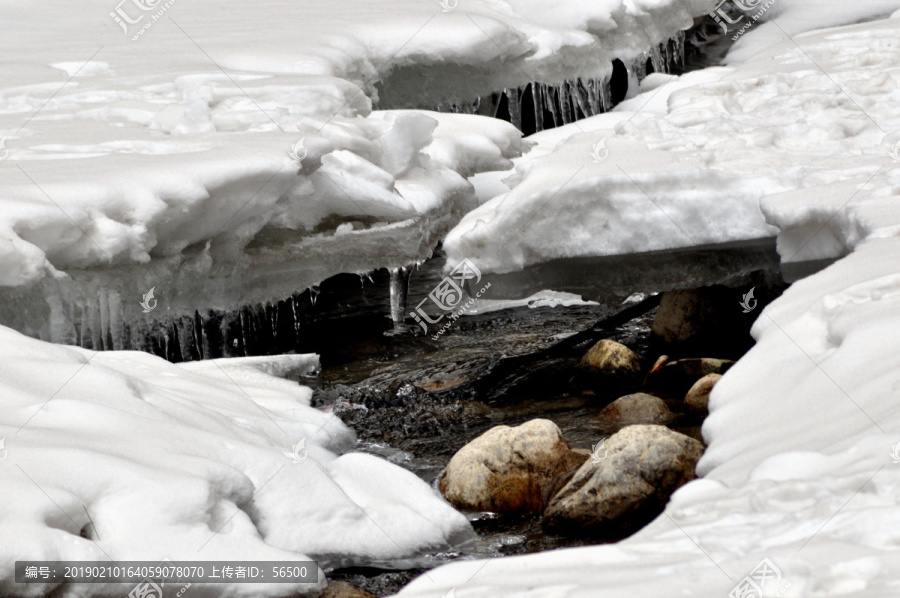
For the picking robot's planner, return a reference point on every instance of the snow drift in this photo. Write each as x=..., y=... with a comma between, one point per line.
x=124, y=456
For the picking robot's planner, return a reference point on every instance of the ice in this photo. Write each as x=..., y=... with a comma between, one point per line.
x=122, y=455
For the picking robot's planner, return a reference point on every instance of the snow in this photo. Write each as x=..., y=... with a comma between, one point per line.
x=792, y=18
x=121, y=455
x=713, y=157
x=152, y=148
x=804, y=431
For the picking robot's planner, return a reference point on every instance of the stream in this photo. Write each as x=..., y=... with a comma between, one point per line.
x=415, y=401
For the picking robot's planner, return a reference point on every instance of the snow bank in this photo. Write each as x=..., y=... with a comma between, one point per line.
x=689, y=162
x=121, y=455
x=230, y=155
x=790, y=18
x=804, y=431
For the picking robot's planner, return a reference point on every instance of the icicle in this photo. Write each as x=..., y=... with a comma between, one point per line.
x=399, y=295
x=199, y=335
x=116, y=321
x=656, y=60
x=514, y=102
x=94, y=316
x=103, y=306
x=538, y=106
x=579, y=99
x=552, y=104
x=313, y=294
x=593, y=97
x=565, y=107
x=61, y=329
x=273, y=318
x=245, y=326
x=606, y=95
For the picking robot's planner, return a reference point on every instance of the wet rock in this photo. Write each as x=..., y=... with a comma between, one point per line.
x=643, y=467
x=559, y=482
x=678, y=376
x=610, y=362
x=505, y=470
x=638, y=408
x=342, y=589
x=713, y=320
x=658, y=365
x=683, y=316
x=697, y=398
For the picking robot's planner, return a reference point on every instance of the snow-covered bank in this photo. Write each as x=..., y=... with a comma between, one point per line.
x=123, y=456
x=227, y=155
x=803, y=465
x=688, y=162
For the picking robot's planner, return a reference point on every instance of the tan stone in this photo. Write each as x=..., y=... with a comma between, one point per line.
x=342, y=589
x=612, y=361
x=637, y=408
x=697, y=398
x=506, y=470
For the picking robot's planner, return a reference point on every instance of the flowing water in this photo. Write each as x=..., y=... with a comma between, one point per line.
x=415, y=400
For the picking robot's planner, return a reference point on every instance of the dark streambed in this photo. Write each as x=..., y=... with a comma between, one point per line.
x=414, y=400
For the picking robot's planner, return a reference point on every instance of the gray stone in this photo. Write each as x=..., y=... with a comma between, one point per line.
x=644, y=465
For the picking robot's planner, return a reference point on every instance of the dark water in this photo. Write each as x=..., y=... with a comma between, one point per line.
x=415, y=401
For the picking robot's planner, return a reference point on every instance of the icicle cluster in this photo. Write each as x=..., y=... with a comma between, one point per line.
x=567, y=102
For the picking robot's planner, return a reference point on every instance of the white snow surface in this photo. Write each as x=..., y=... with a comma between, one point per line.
x=121, y=455
x=803, y=464
x=146, y=144
x=688, y=162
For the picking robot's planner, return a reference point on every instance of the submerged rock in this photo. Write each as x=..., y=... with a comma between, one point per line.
x=612, y=363
x=506, y=470
x=697, y=398
x=680, y=375
x=638, y=408
x=342, y=589
x=643, y=467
